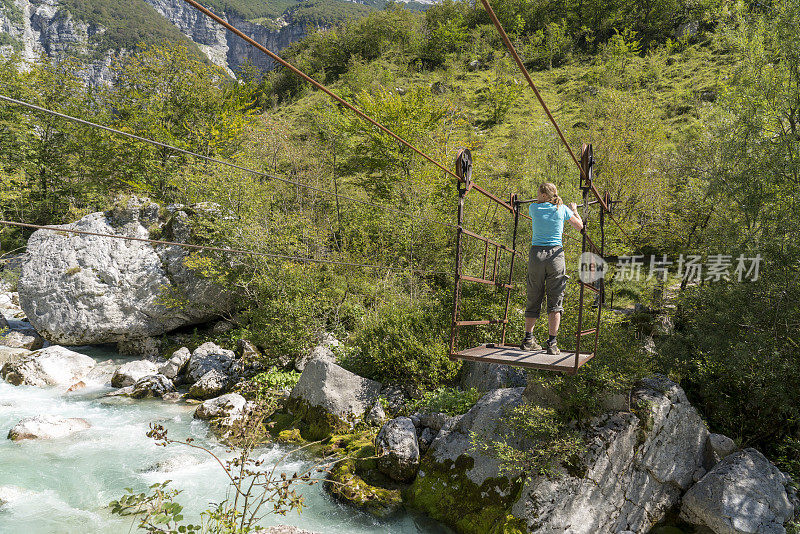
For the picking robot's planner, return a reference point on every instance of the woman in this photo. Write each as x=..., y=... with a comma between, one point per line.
x=547, y=268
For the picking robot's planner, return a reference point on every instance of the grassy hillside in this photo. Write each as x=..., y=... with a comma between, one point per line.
x=312, y=11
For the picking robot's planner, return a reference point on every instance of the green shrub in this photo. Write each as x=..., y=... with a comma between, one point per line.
x=452, y=401
x=532, y=441
x=402, y=343
x=274, y=380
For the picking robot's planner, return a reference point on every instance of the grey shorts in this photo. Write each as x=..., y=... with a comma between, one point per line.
x=547, y=274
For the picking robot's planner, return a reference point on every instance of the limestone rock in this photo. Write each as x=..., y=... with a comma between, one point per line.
x=22, y=339
x=144, y=347
x=461, y=486
x=323, y=351
x=398, y=450
x=718, y=447
x=210, y=357
x=376, y=415
x=83, y=289
x=248, y=351
x=743, y=494
x=490, y=376
x=230, y=406
x=211, y=384
x=46, y=427
x=128, y=373
x=8, y=354
x=425, y=439
x=53, y=366
x=329, y=397
x=435, y=421
x=176, y=364
x=635, y=468
x=155, y=386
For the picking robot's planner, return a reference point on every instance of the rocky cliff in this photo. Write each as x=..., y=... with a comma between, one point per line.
x=35, y=28
x=221, y=46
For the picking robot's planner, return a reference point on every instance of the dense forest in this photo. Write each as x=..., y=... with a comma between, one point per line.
x=693, y=109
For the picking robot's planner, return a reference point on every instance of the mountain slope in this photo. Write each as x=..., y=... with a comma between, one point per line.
x=97, y=30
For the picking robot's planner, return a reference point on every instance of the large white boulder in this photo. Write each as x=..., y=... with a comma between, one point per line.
x=128, y=373
x=743, y=494
x=229, y=406
x=47, y=427
x=84, y=289
x=53, y=366
x=329, y=397
x=210, y=357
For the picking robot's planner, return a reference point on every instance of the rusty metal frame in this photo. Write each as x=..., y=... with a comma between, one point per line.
x=464, y=171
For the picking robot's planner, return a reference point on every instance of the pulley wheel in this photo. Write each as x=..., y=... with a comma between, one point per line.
x=464, y=166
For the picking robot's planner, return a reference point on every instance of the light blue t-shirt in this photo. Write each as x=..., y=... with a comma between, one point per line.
x=548, y=223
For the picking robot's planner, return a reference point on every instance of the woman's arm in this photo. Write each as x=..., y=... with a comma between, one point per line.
x=575, y=220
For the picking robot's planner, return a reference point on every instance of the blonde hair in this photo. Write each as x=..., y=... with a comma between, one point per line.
x=551, y=192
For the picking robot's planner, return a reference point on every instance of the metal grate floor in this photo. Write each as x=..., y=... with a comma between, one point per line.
x=514, y=356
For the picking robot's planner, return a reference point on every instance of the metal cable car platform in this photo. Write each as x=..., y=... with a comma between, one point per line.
x=513, y=355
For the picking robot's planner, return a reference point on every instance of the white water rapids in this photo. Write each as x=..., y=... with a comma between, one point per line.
x=63, y=486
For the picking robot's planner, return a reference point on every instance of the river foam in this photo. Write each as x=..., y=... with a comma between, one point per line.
x=64, y=486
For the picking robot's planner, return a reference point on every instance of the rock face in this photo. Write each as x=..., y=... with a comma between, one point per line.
x=210, y=357
x=46, y=427
x=211, y=384
x=46, y=27
x=53, y=366
x=490, y=376
x=229, y=406
x=743, y=494
x=222, y=47
x=128, y=373
x=323, y=351
x=79, y=289
x=330, y=398
x=176, y=365
x=398, y=450
x=152, y=386
x=635, y=467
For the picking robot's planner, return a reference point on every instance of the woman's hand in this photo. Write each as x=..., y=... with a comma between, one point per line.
x=573, y=207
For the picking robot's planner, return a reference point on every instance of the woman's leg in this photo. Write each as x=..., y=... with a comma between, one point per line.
x=553, y=322
x=556, y=287
x=530, y=322
x=535, y=293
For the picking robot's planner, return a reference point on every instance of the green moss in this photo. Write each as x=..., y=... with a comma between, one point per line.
x=446, y=493
x=347, y=483
x=290, y=436
x=282, y=421
x=319, y=424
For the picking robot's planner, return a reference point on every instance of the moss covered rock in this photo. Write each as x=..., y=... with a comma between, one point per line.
x=462, y=487
x=330, y=399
